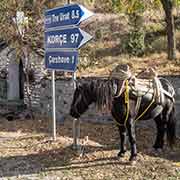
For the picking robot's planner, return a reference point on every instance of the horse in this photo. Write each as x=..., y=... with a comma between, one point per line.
x=103, y=94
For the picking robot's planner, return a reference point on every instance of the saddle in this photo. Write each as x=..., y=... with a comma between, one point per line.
x=146, y=85
x=147, y=82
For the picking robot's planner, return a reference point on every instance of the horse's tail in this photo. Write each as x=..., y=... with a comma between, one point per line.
x=171, y=128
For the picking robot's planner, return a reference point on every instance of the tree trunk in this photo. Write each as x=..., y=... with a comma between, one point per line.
x=168, y=8
x=27, y=66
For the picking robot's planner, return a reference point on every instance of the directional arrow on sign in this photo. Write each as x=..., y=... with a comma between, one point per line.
x=66, y=38
x=66, y=16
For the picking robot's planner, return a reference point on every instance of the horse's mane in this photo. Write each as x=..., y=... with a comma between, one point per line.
x=102, y=92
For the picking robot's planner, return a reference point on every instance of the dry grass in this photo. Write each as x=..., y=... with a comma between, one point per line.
x=158, y=61
x=27, y=151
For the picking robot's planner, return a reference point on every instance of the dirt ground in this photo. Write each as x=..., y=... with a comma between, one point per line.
x=27, y=152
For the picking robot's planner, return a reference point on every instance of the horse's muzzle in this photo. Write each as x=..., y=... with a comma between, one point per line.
x=73, y=113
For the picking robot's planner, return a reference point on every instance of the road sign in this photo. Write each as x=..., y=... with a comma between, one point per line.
x=61, y=60
x=66, y=16
x=66, y=38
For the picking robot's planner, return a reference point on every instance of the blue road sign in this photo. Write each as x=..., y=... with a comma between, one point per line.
x=66, y=38
x=66, y=16
x=61, y=60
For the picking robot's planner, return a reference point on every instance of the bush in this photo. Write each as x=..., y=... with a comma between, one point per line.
x=134, y=43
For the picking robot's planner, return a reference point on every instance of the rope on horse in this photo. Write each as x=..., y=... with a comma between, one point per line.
x=126, y=94
x=122, y=73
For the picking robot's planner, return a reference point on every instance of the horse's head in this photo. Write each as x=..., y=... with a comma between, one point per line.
x=83, y=97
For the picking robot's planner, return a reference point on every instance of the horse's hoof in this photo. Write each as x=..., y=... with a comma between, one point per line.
x=133, y=163
x=133, y=158
x=121, y=154
x=158, y=150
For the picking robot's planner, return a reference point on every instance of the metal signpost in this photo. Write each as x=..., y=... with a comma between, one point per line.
x=63, y=38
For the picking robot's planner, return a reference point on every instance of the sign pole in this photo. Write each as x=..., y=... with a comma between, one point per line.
x=54, y=105
x=63, y=54
x=76, y=122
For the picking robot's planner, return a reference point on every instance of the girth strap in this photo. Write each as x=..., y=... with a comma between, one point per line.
x=153, y=100
x=138, y=103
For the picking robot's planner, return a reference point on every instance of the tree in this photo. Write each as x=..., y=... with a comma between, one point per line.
x=21, y=23
x=168, y=9
x=140, y=6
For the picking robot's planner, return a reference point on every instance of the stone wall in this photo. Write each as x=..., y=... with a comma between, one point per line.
x=64, y=95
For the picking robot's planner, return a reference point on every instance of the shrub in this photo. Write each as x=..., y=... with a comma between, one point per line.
x=134, y=43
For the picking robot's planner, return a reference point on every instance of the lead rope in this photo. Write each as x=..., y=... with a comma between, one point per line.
x=126, y=94
x=126, y=101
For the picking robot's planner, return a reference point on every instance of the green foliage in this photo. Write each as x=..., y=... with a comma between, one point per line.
x=176, y=2
x=135, y=6
x=117, y=5
x=129, y=6
x=158, y=45
x=134, y=44
x=154, y=27
x=156, y=4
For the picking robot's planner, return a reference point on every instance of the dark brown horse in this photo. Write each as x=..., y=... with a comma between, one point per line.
x=122, y=107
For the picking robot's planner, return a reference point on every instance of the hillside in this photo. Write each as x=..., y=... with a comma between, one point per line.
x=106, y=50
x=159, y=61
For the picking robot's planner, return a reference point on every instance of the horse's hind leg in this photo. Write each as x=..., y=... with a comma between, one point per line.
x=122, y=133
x=132, y=138
x=161, y=125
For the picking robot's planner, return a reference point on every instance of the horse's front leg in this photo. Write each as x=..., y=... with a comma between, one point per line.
x=122, y=133
x=132, y=139
x=160, y=132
